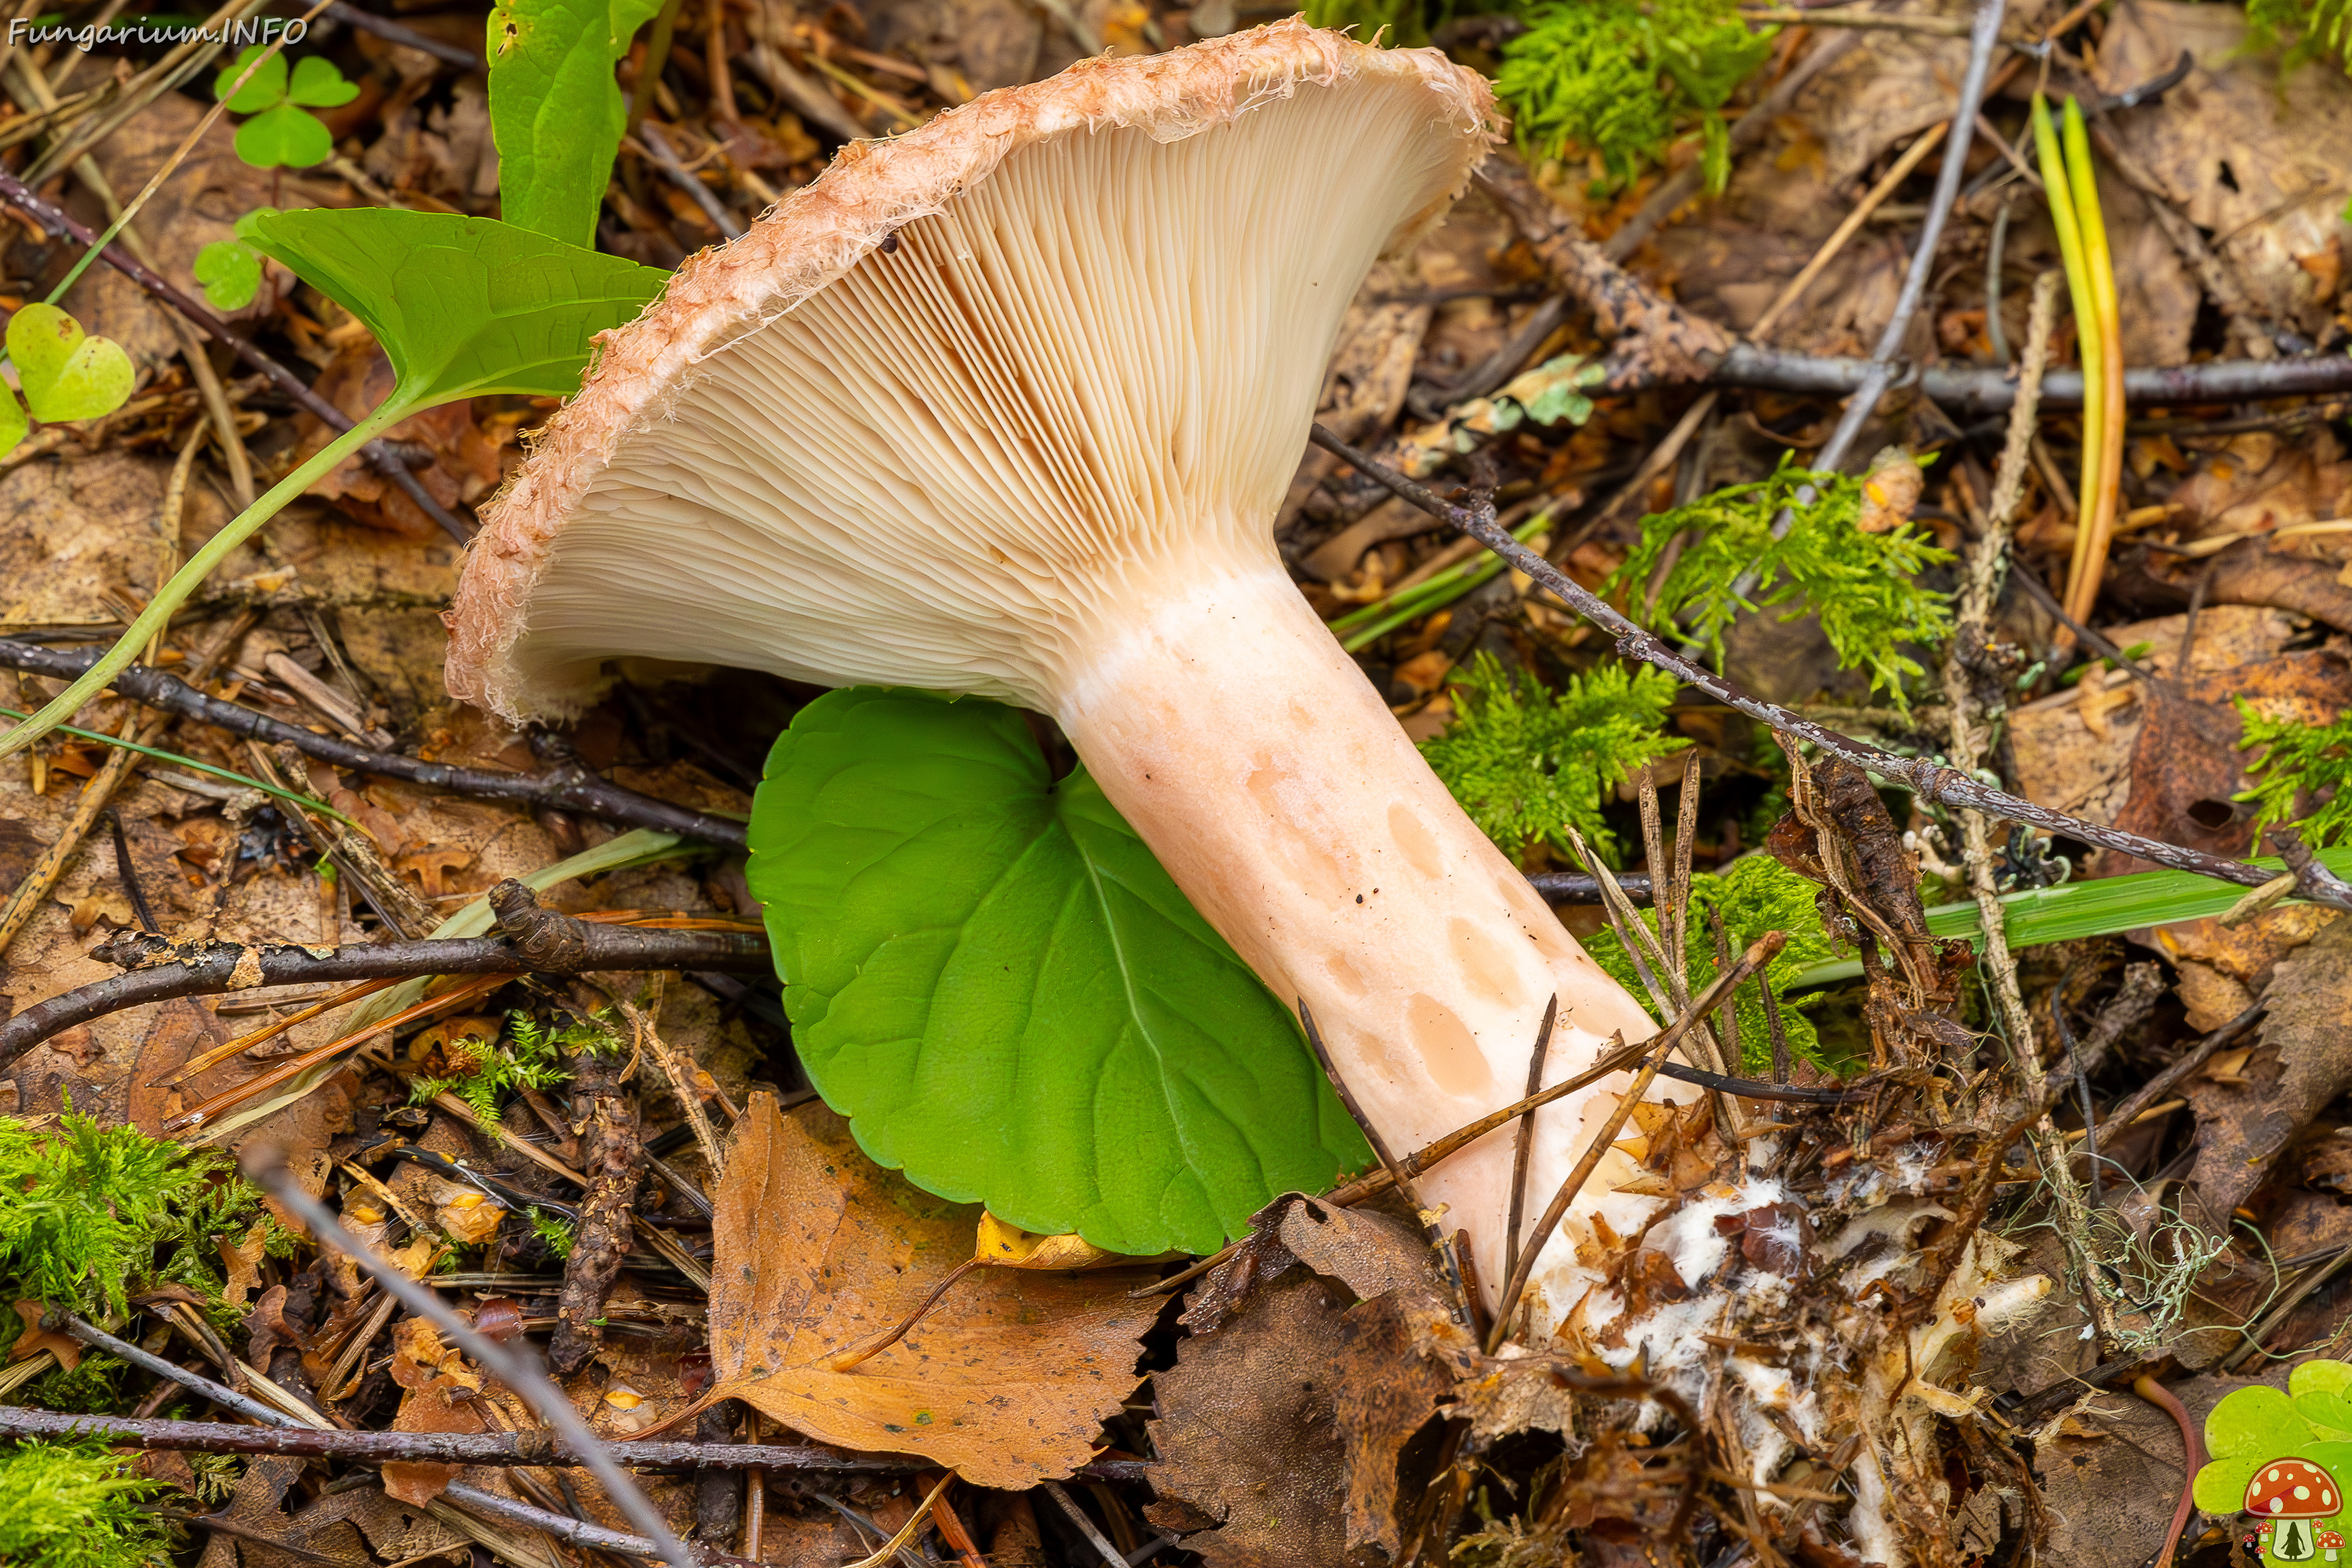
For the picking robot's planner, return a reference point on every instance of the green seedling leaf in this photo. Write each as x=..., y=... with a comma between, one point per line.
x=989, y=974
x=266, y=88
x=462, y=306
x=67, y=374
x=318, y=83
x=284, y=137
x=556, y=113
x=13, y=425
x=2253, y=1427
x=230, y=272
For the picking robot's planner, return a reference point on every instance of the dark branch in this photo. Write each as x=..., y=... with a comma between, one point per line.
x=1963, y=388
x=502, y=1448
x=566, y=786
x=1927, y=778
x=158, y=972
x=385, y=459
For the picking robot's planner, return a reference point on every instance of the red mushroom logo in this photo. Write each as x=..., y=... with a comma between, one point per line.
x=2292, y=1494
x=2330, y=1544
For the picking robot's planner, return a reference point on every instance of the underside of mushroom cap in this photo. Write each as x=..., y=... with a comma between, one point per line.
x=946, y=414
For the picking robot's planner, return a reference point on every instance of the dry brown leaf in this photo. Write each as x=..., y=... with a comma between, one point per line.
x=437, y=1390
x=815, y=1249
x=1250, y=1469
x=469, y=455
x=241, y=1261
x=1283, y=1418
x=2305, y=1061
x=36, y=1339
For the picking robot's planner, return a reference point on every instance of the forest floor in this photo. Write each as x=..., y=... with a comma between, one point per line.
x=1274, y=1414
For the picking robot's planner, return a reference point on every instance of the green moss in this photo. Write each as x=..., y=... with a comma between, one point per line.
x=69, y=1505
x=1861, y=587
x=1622, y=78
x=84, y=1211
x=530, y=1056
x=1529, y=763
x=1756, y=895
x=2299, y=762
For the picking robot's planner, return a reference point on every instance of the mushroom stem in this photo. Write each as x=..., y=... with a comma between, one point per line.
x=1266, y=772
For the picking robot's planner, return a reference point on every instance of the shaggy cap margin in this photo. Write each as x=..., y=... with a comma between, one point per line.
x=820, y=232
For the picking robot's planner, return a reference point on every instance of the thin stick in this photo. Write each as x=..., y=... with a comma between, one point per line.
x=1526, y=1137
x=1111, y=1556
x=1759, y=953
x=90, y=1334
x=1922, y=775
x=214, y=968
x=567, y=786
x=269, y=1169
x=1984, y=33
x=54, y=220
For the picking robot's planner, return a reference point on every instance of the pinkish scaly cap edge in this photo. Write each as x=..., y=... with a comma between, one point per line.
x=820, y=232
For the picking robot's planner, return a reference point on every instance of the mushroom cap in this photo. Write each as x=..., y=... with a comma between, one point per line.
x=970, y=394
x=2292, y=1489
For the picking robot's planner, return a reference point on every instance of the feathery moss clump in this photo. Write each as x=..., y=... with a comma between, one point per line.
x=69, y=1505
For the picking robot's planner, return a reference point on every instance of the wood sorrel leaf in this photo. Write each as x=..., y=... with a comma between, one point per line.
x=285, y=137
x=65, y=373
x=267, y=86
x=230, y=272
x=462, y=306
x=556, y=113
x=991, y=975
x=318, y=83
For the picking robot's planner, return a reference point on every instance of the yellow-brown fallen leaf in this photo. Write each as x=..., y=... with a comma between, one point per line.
x=438, y=1394
x=817, y=1248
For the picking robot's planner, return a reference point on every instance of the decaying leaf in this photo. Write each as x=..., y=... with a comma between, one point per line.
x=1282, y=1423
x=438, y=1390
x=817, y=1248
x=2305, y=1061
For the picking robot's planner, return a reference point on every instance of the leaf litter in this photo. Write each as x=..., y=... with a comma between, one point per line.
x=1838, y=1301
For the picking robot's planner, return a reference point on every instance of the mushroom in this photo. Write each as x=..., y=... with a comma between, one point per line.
x=1006, y=406
x=2291, y=1493
x=2330, y=1543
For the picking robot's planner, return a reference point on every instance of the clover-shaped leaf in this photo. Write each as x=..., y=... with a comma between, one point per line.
x=13, y=423
x=266, y=89
x=2254, y=1426
x=318, y=83
x=282, y=132
x=65, y=374
x=230, y=271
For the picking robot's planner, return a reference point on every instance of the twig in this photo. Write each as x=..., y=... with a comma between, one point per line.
x=1111, y=1556
x=566, y=786
x=1525, y=1143
x=385, y=27
x=1967, y=747
x=2129, y=1109
x=226, y=1398
x=1926, y=778
x=1616, y=1059
x=387, y=459
x=207, y=968
x=1759, y=953
x=1983, y=35
x=1582, y=888
x=267, y=1168
x=1985, y=389
x=1869, y=21
x=664, y=158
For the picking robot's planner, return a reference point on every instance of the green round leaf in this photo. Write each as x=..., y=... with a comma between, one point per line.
x=65, y=374
x=318, y=83
x=230, y=272
x=284, y=137
x=13, y=423
x=989, y=974
x=267, y=88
